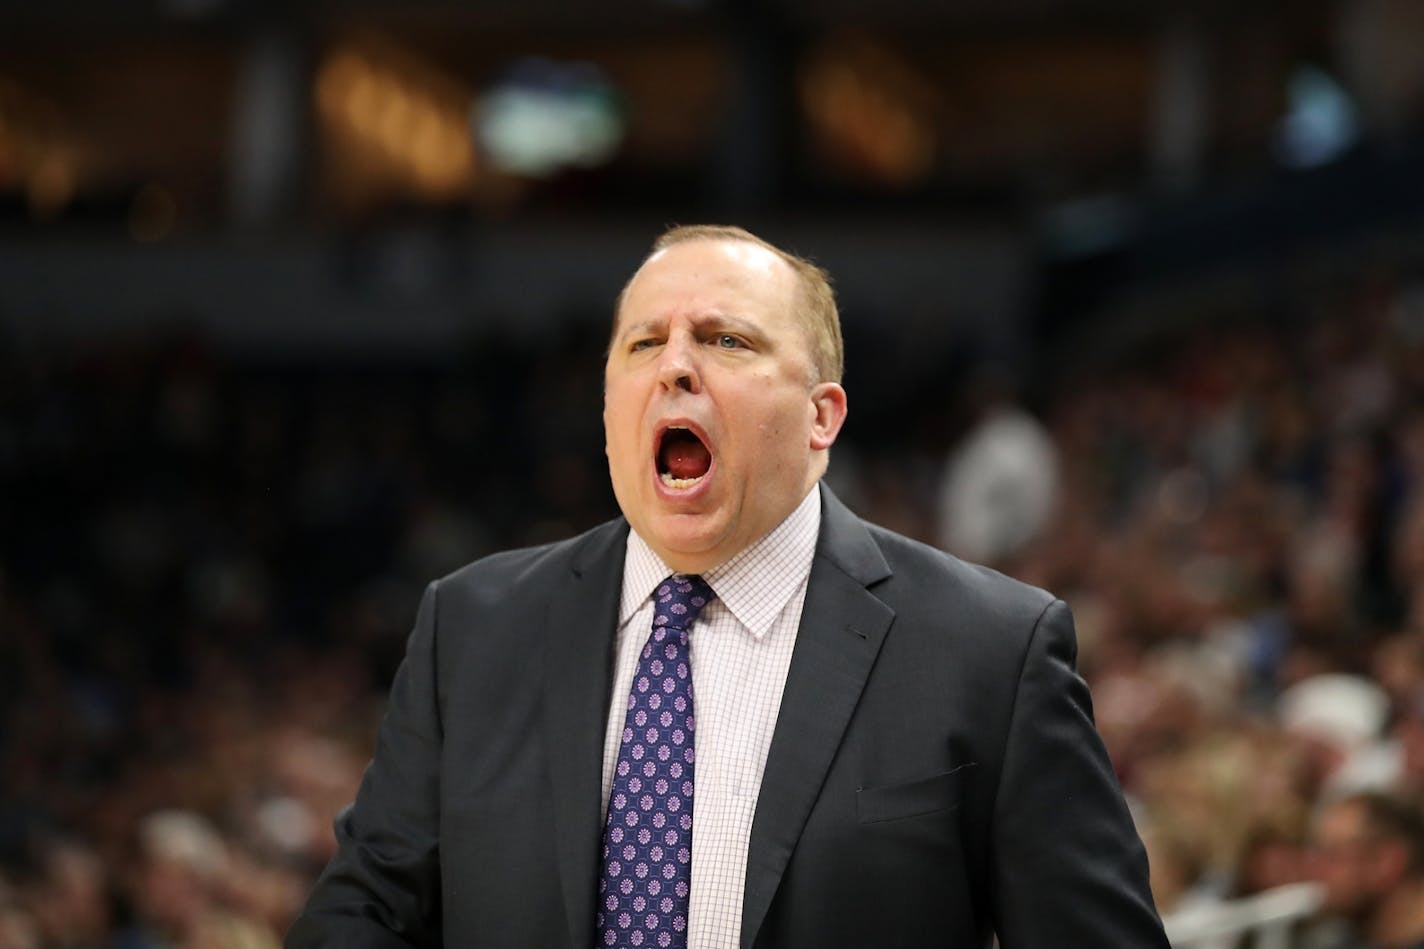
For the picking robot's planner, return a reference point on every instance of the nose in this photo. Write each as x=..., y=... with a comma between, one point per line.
x=677, y=368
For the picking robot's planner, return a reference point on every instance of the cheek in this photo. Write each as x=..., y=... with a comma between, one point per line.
x=620, y=447
x=784, y=423
x=618, y=414
x=619, y=439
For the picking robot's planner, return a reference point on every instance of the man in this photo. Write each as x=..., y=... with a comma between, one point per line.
x=891, y=746
x=1369, y=852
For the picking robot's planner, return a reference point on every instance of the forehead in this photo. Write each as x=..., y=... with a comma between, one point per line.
x=1345, y=820
x=736, y=277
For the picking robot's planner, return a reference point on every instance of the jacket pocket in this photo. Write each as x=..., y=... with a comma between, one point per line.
x=939, y=792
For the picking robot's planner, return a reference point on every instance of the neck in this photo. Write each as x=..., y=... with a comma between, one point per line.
x=1399, y=921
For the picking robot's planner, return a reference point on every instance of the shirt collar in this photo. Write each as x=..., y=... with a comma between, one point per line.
x=754, y=585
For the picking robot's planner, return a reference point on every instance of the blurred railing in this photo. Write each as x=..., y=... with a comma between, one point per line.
x=1271, y=919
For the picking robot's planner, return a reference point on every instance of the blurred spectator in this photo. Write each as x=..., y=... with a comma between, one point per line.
x=1341, y=719
x=17, y=929
x=1369, y=853
x=1000, y=482
x=70, y=898
x=182, y=871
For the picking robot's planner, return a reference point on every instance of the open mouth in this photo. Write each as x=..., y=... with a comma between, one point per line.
x=683, y=458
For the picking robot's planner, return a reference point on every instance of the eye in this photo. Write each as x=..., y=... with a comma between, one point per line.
x=638, y=345
x=728, y=341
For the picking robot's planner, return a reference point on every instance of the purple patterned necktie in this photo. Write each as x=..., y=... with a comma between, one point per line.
x=647, y=840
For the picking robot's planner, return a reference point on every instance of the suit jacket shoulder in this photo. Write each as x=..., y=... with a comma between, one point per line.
x=983, y=616
x=495, y=606
x=933, y=574
x=499, y=575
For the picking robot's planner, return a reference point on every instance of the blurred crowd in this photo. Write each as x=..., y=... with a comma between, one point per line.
x=209, y=561
x=1239, y=527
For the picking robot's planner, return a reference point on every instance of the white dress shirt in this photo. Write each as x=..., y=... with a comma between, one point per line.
x=740, y=650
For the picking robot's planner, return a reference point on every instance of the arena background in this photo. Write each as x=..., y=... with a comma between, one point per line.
x=303, y=304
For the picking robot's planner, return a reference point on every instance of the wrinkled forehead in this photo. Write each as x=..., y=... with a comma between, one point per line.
x=732, y=274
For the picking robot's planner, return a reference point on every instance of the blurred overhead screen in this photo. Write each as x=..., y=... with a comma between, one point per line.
x=544, y=117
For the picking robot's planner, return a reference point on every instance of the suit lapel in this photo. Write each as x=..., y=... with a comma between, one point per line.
x=578, y=671
x=842, y=627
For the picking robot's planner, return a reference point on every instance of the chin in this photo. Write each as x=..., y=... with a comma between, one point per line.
x=684, y=547
x=686, y=550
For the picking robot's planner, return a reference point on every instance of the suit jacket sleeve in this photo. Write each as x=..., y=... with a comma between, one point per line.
x=1067, y=867
x=382, y=889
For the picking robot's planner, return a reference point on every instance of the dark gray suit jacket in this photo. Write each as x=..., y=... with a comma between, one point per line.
x=934, y=776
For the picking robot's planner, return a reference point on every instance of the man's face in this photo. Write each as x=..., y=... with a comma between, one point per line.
x=715, y=427
x=1354, y=866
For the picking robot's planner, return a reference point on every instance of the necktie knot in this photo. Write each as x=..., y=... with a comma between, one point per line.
x=679, y=599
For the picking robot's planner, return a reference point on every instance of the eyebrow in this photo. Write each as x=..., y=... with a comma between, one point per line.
x=646, y=326
x=712, y=321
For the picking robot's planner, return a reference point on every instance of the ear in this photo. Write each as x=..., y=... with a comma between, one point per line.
x=829, y=401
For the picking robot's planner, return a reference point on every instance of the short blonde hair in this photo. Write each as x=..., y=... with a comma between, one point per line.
x=818, y=311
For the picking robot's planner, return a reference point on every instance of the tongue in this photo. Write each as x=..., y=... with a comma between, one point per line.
x=687, y=457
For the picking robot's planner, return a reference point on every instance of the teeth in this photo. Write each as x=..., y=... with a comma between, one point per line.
x=672, y=482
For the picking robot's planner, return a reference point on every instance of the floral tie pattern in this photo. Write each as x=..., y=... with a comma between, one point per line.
x=647, y=839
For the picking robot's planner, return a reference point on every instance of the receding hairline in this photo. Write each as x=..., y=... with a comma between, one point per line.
x=707, y=233
x=817, y=306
